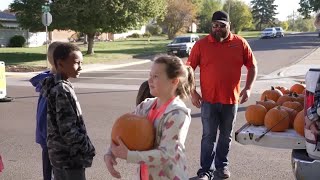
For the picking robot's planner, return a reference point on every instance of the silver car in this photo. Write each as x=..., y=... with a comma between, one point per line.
x=269, y=33
x=280, y=31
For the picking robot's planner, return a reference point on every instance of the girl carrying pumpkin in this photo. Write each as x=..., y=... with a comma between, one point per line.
x=170, y=81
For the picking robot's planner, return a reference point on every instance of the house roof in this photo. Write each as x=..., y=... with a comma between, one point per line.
x=7, y=17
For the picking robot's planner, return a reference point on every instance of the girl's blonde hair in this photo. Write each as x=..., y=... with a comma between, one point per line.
x=51, y=48
x=175, y=68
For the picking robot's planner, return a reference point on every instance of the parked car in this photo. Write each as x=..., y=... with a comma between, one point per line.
x=280, y=31
x=182, y=45
x=269, y=33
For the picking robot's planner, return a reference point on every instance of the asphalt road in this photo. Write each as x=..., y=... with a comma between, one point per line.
x=105, y=95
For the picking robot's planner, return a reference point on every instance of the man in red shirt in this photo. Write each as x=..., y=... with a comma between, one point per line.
x=220, y=56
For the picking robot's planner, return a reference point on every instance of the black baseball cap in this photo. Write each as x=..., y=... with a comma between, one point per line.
x=220, y=16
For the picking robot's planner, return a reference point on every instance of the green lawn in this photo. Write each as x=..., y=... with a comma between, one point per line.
x=104, y=51
x=250, y=34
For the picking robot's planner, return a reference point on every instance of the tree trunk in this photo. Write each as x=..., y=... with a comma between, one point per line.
x=85, y=41
x=171, y=34
x=90, y=43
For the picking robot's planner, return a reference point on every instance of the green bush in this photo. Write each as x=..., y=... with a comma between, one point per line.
x=135, y=35
x=154, y=29
x=147, y=34
x=17, y=41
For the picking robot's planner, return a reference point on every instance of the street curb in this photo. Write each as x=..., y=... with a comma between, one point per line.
x=283, y=70
x=87, y=68
x=280, y=73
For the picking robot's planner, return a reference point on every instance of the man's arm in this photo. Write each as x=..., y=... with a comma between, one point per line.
x=251, y=76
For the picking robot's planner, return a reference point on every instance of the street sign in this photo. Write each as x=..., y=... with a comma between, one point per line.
x=3, y=91
x=46, y=19
x=45, y=8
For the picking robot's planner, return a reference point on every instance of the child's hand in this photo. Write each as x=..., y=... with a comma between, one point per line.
x=110, y=161
x=120, y=151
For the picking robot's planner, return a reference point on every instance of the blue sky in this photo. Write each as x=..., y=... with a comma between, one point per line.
x=285, y=7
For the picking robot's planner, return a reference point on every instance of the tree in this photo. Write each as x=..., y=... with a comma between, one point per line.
x=90, y=16
x=263, y=12
x=28, y=13
x=179, y=16
x=240, y=15
x=301, y=24
x=205, y=14
x=284, y=25
x=307, y=6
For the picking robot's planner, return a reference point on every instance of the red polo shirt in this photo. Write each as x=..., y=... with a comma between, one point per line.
x=220, y=67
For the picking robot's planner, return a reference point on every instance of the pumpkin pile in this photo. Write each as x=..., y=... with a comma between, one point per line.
x=279, y=109
x=136, y=132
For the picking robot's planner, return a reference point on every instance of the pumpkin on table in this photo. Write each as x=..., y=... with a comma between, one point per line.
x=298, y=123
x=255, y=114
x=293, y=105
x=136, y=132
x=291, y=113
x=284, y=90
x=299, y=98
x=285, y=98
x=297, y=88
x=272, y=94
x=277, y=120
x=267, y=103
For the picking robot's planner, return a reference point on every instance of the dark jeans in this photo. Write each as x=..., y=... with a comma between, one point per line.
x=46, y=165
x=69, y=174
x=214, y=116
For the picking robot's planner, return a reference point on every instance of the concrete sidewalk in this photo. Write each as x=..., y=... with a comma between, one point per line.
x=91, y=67
x=297, y=71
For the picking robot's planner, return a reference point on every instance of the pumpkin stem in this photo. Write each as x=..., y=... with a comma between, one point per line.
x=294, y=94
x=265, y=98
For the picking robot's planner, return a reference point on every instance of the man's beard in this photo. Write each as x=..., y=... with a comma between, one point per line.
x=219, y=36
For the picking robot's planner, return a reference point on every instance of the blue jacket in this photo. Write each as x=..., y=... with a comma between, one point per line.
x=41, y=127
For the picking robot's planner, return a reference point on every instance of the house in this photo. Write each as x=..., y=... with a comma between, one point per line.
x=9, y=27
x=8, y=20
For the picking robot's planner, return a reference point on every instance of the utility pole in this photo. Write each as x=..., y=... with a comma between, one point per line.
x=229, y=7
x=293, y=16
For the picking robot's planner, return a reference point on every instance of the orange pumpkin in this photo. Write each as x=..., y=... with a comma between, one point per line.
x=299, y=98
x=267, y=103
x=298, y=123
x=272, y=94
x=285, y=98
x=293, y=105
x=135, y=131
x=284, y=90
x=292, y=114
x=297, y=88
x=255, y=114
x=277, y=119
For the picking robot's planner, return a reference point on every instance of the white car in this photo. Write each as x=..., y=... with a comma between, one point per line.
x=280, y=31
x=269, y=33
x=182, y=45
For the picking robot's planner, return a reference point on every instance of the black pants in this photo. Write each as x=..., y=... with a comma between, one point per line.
x=69, y=174
x=46, y=165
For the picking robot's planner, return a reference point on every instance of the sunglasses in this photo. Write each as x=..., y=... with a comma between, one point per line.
x=216, y=25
